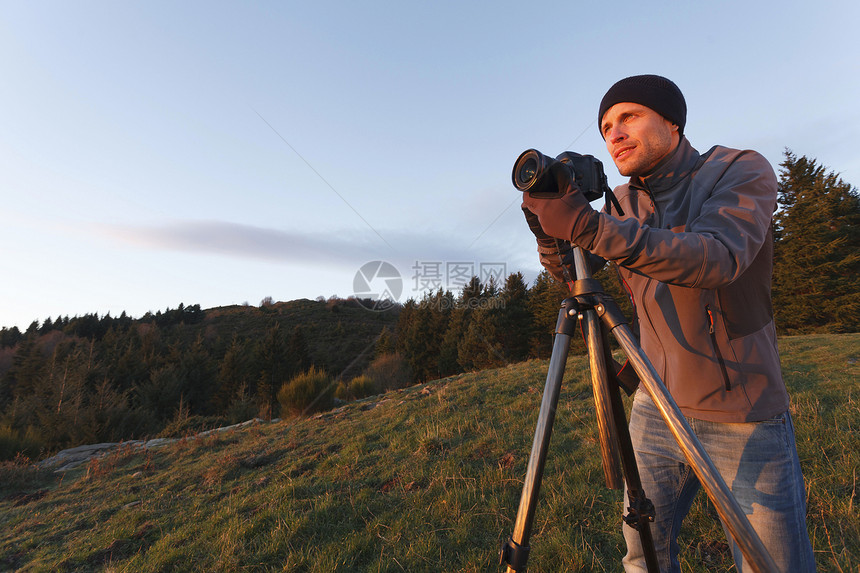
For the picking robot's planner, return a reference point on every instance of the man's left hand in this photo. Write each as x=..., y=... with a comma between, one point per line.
x=567, y=216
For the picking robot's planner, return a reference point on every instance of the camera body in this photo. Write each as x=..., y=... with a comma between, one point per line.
x=532, y=174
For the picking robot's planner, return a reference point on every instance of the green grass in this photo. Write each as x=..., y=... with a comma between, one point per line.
x=423, y=479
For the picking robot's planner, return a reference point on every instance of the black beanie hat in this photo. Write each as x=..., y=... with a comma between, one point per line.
x=655, y=92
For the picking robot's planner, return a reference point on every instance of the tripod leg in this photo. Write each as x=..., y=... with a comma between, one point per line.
x=598, y=350
x=641, y=510
x=601, y=386
x=710, y=478
x=515, y=550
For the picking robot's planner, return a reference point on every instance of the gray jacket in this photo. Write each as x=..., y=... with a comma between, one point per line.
x=695, y=247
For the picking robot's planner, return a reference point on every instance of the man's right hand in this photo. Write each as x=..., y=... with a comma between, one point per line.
x=553, y=253
x=552, y=259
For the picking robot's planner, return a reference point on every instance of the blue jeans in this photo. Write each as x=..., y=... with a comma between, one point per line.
x=757, y=460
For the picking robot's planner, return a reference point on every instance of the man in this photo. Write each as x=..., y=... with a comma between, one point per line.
x=695, y=247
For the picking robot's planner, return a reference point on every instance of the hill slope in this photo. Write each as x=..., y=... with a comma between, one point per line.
x=423, y=479
x=102, y=379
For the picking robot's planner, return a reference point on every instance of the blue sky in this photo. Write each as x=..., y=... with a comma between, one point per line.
x=157, y=153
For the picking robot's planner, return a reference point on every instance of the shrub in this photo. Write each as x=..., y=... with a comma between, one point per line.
x=243, y=407
x=309, y=392
x=14, y=443
x=362, y=387
x=390, y=372
x=342, y=392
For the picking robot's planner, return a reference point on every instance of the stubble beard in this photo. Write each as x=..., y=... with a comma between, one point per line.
x=644, y=157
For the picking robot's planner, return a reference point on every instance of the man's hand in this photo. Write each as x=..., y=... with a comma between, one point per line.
x=567, y=216
x=553, y=253
x=555, y=258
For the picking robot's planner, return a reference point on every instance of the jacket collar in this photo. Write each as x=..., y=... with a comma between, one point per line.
x=673, y=168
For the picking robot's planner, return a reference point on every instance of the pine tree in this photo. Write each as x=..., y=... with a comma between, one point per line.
x=450, y=359
x=442, y=305
x=404, y=323
x=298, y=353
x=458, y=322
x=25, y=376
x=10, y=337
x=47, y=326
x=515, y=319
x=232, y=375
x=817, y=250
x=106, y=416
x=423, y=337
x=480, y=346
x=544, y=302
x=198, y=373
x=272, y=359
x=384, y=344
x=158, y=397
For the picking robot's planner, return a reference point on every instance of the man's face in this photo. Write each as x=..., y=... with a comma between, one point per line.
x=637, y=137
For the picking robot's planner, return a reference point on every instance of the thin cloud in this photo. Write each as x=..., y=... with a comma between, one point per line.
x=239, y=241
x=350, y=248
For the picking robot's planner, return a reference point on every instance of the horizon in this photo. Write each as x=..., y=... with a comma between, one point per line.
x=389, y=303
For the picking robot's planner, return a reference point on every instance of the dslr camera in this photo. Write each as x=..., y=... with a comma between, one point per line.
x=532, y=174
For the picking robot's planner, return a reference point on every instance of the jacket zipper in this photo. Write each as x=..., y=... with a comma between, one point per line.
x=717, y=348
x=650, y=281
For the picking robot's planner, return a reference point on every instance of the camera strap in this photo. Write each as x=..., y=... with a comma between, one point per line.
x=611, y=201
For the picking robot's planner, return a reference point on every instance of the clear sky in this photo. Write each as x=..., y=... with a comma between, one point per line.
x=156, y=153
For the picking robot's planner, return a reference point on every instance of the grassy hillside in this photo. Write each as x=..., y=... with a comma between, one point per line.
x=423, y=479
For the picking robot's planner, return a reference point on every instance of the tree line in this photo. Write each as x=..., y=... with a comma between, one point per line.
x=485, y=326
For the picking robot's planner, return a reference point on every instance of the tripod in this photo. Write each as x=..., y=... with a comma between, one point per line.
x=600, y=315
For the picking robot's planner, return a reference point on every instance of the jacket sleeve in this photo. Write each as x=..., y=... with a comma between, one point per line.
x=736, y=192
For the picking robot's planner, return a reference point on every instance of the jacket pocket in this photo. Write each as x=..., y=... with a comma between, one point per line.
x=713, y=335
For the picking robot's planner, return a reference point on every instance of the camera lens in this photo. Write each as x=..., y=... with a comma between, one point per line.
x=527, y=171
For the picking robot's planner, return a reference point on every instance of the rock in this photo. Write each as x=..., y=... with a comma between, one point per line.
x=74, y=457
x=158, y=443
